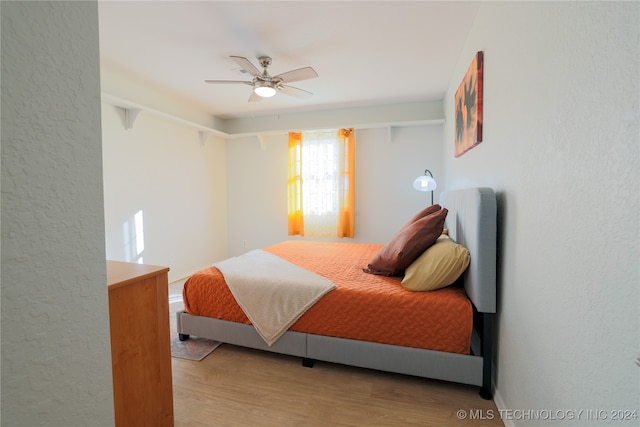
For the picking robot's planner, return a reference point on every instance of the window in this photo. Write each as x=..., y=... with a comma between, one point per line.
x=321, y=183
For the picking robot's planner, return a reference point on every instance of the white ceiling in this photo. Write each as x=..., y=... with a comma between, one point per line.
x=366, y=53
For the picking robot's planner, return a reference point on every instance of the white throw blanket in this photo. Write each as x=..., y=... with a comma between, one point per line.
x=271, y=291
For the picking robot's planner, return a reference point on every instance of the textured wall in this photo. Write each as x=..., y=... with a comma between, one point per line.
x=56, y=368
x=561, y=145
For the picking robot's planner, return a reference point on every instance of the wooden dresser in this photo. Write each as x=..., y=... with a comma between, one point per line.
x=140, y=344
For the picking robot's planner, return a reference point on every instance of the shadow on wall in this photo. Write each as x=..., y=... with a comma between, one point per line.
x=501, y=214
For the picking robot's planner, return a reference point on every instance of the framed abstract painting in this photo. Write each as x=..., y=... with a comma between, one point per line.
x=468, y=108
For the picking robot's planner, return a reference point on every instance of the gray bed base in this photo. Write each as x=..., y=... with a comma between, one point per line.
x=472, y=221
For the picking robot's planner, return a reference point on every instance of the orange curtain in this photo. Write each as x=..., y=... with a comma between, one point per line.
x=294, y=185
x=346, y=184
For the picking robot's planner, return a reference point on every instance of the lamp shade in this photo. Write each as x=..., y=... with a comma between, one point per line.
x=266, y=90
x=424, y=183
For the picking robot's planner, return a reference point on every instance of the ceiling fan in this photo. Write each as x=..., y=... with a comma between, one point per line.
x=264, y=85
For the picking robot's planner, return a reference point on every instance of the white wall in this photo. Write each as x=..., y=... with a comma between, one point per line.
x=56, y=365
x=386, y=166
x=561, y=146
x=160, y=170
x=387, y=162
x=256, y=196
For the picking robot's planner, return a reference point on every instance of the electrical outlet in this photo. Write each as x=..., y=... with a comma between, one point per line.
x=244, y=243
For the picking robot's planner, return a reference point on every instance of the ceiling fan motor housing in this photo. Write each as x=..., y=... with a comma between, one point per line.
x=265, y=61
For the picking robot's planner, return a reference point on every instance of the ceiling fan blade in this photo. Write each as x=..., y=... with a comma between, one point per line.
x=254, y=97
x=227, y=82
x=294, y=91
x=297, y=75
x=246, y=65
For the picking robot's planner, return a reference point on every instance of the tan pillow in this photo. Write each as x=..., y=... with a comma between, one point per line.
x=407, y=245
x=438, y=266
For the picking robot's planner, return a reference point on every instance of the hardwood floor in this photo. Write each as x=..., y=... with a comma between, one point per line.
x=235, y=386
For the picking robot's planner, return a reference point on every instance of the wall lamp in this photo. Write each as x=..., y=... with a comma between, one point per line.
x=425, y=183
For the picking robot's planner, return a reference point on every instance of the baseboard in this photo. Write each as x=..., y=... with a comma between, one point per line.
x=502, y=408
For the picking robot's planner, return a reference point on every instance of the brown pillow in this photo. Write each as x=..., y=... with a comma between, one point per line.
x=424, y=212
x=410, y=242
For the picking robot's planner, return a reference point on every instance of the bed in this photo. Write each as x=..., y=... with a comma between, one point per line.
x=451, y=329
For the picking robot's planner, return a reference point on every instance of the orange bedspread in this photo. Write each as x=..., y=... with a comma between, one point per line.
x=363, y=306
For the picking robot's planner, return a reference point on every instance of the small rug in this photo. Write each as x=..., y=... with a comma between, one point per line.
x=192, y=349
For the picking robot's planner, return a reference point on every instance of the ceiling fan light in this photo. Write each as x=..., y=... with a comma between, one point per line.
x=265, y=90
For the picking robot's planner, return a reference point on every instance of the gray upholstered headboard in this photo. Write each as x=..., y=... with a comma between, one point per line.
x=472, y=222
